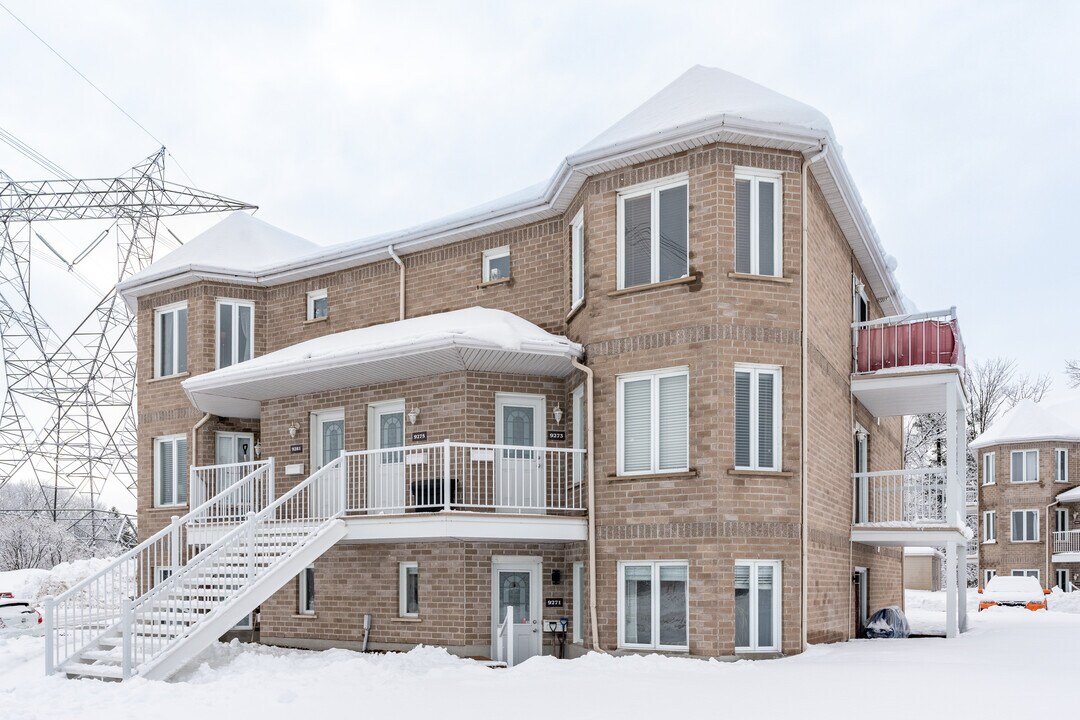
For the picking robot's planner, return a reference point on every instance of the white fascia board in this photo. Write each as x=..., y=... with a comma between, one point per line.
x=463, y=525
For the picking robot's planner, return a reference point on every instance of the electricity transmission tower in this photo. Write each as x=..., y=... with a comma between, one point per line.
x=86, y=378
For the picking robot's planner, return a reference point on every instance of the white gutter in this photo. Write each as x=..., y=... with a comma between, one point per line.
x=401, y=283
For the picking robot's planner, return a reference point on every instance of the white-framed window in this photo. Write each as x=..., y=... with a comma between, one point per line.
x=1024, y=466
x=989, y=526
x=759, y=217
x=577, y=259
x=987, y=574
x=654, y=604
x=757, y=605
x=861, y=310
x=577, y=418
x=170, y=340
x=1061, y=520
x=653, y=422
x=653, y=231
x=578, y=629
x=1061, y=465
x=989, y=468
x=1063, y=579
x=318, y=304
x=162, y=573
x=408, y=589
x=758, y=395
x=1026, y=572
x=497, y=264
x=235, y=331
x=1025, y=526
x=170, y=470
x=305, y=591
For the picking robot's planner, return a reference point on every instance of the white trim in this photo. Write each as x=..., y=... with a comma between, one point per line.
x=577, y=431
x=535, y=566
x=989, y=466
x=302, y=592
x=316, y=418
x=577, y=260
x=777, y=607
x=461, y=526
x=1025, y=478
x=652, y=188
x=1026, y=572
x=177, y=479
x=577, y=579
x=220, y=435
x=1061, y=462
x=654, y=376
x=403, y=589
x=755, y=371
x=494, y=254
x=654, y=587
x=1063, y=573
x=172, y=309
x=862, y=466
x=989, y=534
x=1060, y=526
x=864, y=594
x=1025, y=525
x=236, y=304
x=987, y=575
x=756, y=176
x=314, y=295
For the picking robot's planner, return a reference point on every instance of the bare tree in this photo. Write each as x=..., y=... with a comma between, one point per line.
x=1072, y=371
x=994, y=387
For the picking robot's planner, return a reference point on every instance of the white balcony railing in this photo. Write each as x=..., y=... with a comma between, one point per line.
x=209, y=480
x=972, y=496
x=451, y=476
x=900, y=497
x=1067, y=541
x=900, y=341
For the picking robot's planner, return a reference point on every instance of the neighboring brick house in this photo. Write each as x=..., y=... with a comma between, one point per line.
x=1029, y=492
x=726, y=484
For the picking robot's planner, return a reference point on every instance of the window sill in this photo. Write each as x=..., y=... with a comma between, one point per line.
x=575, y=310
x=313, y=321
x=691, y=279
x=778, y=280
x=174, y=376
x=1024, y=542
x=400, y=619
x=493, y=283
x=692, y=472
x=174, y=506
x=306, y=616
x=748, y=472
x=989, y=542
x=1023, y=482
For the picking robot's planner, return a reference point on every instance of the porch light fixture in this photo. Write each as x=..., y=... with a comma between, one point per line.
x=293, y=429
x=557, y=412
x=257, y=448
x=413, y=415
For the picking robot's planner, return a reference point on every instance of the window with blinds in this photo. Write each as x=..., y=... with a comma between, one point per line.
x=654, y=233
x=653, y=422
x=170, y=470
x=170, y=340
x=1025, y=525
x=758, y=223
x=989, y=468
x=757, y=417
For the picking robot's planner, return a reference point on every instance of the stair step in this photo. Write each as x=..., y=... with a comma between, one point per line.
x=112, y=656
x=103, y=672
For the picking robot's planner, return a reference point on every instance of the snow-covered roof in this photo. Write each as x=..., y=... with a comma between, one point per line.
x=922, y=552
x=700, y=107
x=1055, y=417
x=475, y=338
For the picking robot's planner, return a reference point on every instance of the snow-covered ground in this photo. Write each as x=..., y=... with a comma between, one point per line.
x=1008, y=656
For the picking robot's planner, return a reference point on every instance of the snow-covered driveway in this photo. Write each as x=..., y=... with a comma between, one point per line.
x=1007, y=666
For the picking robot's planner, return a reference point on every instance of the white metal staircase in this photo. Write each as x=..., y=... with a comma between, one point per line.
x=163, y=602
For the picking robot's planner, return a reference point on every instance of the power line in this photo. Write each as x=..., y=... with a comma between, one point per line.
x=33, y=155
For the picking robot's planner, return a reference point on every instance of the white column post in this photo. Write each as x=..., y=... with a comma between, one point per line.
x=127, y=621
x=446, y=475
x=952, y=627
x=961, y=500
x=174, y=543
x=50, y=642
x=251, y=548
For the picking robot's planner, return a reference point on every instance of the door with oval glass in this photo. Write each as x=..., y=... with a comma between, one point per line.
x=233, y=448
x=386, y=468
x=520, y=422
x=515, y=583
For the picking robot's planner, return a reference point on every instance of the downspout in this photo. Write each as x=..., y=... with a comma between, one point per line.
x=1049, y=542
x=591, y=516
x=195, y=439
x=401, y=281
x=804, y=382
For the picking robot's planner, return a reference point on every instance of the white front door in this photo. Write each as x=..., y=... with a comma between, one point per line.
x=327, y=437
x=232, y=448
x=386, y=468
x=515, y=582
x=519, y=482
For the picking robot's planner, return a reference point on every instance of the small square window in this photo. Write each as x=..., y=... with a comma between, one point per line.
x=496, y=264
x=318, y=306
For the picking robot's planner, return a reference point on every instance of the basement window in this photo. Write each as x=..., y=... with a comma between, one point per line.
x=409, y=590
x=497, y=264
x=306, y=591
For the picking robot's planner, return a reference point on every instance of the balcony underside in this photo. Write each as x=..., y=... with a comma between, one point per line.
x=907, y=535
x=914, y=391
x=1065, y=557
x=458, y=525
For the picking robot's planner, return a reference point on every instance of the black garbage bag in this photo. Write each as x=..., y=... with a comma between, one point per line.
x=888, y=622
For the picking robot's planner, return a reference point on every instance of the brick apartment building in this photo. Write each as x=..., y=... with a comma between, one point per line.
x=1029, y=490
x=659, y=395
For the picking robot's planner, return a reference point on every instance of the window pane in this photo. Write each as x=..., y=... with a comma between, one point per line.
x=1032, y=466
x=1017, y=526
x=673, y=233
x=181, y=340
x=165, y=344
x=637, y=241
x=742, y=606
x=578, y=263
x=1017, y=467
x=742, y=226
x=674, y=451
x=181, y=471
x=765, y=420
x=243, y=346
x=498, y=267
x=742, y=419
x=308, y=594
x=766, y=231
x=412, y=590
x=637, y=425
x=765, y=592
x=165, y=473
x=225, y=334
x=319, y=307
x=637, y=612
x=673, y=620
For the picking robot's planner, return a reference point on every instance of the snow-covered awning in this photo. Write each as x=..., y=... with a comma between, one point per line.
x=479, y=339
x=1070, y=495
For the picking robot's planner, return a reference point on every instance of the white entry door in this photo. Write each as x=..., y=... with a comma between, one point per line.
x=327, y=437
x=232, y=448
x=520, y=422
x=515, y=582
x=386, y=468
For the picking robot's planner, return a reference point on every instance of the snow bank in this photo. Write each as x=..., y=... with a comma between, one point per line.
x=1064, y=602
x=34, y=585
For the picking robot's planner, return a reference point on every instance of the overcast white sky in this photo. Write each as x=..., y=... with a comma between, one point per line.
x=959, y=120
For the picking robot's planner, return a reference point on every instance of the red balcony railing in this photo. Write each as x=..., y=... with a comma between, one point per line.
x=908, y=341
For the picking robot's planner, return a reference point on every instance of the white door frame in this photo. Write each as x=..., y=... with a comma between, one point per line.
x=522, y=487
x=317, y=417
x=535, y=566
x=390, y=495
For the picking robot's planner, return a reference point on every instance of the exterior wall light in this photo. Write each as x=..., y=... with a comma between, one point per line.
x=413, y=415
x=557, y=412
